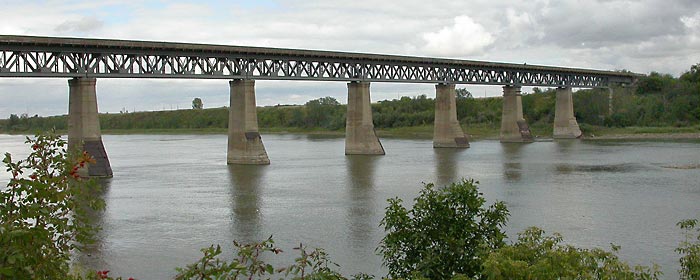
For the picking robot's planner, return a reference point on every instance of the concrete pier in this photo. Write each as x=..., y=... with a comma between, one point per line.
x=360, y=137
x=514, y=128
x=84, y=125
x=447, y=132
x=565, y=124
x=244, y=143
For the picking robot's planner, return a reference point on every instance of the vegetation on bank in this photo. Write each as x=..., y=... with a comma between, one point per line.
x=657, y=101
x=448, y=233
x=44, y=211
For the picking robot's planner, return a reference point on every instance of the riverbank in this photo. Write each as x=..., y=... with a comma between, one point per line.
x=476, y=132
x=612, y=133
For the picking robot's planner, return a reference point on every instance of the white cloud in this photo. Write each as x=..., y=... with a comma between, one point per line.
x=692, y=22
x=464, y=38
x=518, y=21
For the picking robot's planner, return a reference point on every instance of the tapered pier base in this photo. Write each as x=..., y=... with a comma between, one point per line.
x=245, y=145
x=447, y=132
x=514, y=128
x=84, y=126
x=360, y=137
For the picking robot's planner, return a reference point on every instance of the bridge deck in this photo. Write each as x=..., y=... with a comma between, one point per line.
x=26, y=56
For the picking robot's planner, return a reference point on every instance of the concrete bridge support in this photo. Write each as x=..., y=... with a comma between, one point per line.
x=360, y=137
x=514, y=128
x=565, y=124
x=84, y=125
x=244, y=143
x=447, y=132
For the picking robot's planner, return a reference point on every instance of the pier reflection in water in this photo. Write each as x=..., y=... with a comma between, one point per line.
x=90, y=253
x=361, y=200
x=446, y=165
x=246, y=182
x=512, y=161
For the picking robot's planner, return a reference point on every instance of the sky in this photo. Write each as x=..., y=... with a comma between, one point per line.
x=636, y=35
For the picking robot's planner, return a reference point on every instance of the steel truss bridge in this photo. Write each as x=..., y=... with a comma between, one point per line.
x=26, y=56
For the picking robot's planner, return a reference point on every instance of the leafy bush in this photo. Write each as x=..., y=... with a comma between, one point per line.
x=42, y=211
x=248, y=264
x=447, y=232
x=536, y=256
x=690, y=250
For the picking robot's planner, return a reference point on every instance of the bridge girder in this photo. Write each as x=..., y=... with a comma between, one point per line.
x=22, y=56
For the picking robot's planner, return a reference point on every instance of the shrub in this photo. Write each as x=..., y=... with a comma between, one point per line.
x=536, y=256
x=447, y=232
x=690, y=250
x=248, y=264
x=42, y=211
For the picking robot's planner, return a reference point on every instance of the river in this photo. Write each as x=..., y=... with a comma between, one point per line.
x=174, y=194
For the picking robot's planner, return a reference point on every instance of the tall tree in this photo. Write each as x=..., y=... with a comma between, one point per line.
x=463, y=93
x=197, y=104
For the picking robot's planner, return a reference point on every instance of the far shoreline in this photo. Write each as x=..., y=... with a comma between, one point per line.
x=647, y=136
x=426, y=133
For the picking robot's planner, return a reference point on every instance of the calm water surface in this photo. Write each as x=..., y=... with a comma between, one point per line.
x=174, y=194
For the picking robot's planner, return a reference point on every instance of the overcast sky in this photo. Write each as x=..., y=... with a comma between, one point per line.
x=637, y=35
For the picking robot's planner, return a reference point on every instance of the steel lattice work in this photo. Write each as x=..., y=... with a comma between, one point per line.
x=23, y=56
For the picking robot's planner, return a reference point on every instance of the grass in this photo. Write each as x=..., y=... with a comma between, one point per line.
x=590, y=130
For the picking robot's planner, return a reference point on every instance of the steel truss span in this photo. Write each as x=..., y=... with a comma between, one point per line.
x=24, y=56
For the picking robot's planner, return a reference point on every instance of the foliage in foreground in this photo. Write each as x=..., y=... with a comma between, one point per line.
x=248, y=263
x=448, y=231
x=42, y=211
x=690, y=250
x=536, y=256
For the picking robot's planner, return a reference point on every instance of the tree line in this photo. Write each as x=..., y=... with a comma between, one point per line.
x=656, y=100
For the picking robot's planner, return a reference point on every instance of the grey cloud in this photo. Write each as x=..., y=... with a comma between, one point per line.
x=595, y=24
x=81, y=26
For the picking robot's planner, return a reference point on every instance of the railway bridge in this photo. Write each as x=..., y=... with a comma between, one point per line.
x=82, y=61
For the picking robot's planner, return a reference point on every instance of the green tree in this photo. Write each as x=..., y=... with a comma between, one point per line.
x=539, y=107
x=693, y=75
x=447, y=232
x=42, y=211
x=654, y=83
x=12, y=122
x=463, y=93
x=324, y=112
x=536, y=256
x=197, y=104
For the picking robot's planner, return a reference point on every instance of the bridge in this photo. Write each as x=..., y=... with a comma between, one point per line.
x=84, y=60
